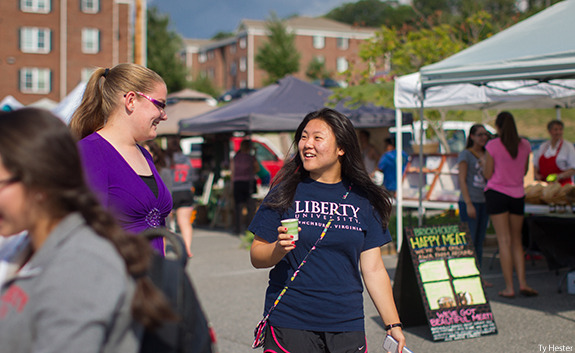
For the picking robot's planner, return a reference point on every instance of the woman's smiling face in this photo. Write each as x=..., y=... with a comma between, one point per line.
x=149, y=114
x=319, y=152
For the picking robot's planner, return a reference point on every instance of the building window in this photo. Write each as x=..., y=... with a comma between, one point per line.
x=243, y=84
x=90, y=40
x=202, y=57
x=210, y=55
x=90, y=6
x=243, y=42
x=243, y=64
x=86, y=73
x=320, y=59
x=342, y=64
x=35, y=80
x=35, y=40
x=37, y=6
x=343, y=43
x=318, y=42
x=233, y=48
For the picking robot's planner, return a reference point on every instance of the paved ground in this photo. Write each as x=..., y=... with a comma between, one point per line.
x=232, y=294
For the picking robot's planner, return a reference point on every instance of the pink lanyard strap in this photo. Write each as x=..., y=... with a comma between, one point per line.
x=304, y=260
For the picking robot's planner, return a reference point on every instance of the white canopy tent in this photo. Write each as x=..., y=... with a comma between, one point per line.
x=67, y=106
x=529, y=65
x=520, y=94
x=9, y=103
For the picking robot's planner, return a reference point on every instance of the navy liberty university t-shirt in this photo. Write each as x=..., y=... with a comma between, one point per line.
x=326, y=295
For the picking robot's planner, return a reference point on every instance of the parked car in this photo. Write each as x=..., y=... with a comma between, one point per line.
x=235, y=93
x=456, y=133
x=327, y=83
x=265, y=151
x=268, y=155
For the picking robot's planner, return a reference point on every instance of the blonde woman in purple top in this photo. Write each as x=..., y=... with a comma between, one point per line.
x=121, y=107
x=506, y=163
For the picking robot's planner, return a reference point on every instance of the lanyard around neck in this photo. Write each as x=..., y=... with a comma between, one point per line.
x=322, y=235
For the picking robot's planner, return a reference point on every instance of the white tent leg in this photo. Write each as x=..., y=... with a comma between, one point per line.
x=420, y=204
x=399, y=175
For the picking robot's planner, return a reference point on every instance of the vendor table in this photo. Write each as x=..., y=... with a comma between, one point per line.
x=552, y=231
x=548, y=229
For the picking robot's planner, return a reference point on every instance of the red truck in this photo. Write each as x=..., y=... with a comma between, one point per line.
x=269, y=156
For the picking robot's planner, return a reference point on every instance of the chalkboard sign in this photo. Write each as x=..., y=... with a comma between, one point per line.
x=437, y=281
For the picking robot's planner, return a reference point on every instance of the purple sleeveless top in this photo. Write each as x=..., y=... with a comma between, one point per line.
x=121, y=190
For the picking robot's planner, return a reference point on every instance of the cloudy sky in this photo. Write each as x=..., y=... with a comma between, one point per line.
x=204, y=18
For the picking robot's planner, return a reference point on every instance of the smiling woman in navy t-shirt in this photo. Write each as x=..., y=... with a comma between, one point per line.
x=326, y=187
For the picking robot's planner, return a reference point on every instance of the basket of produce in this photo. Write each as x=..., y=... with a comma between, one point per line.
x=533, y=193
x=570, y=194
x=555, y=194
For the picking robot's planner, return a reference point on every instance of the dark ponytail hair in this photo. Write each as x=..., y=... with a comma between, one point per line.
x=38, y=149
x=352, y=167
x=173, y=147
x=508, y=133
x=158, y=154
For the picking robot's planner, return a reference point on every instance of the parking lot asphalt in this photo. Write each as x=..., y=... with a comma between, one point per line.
x=232, y=294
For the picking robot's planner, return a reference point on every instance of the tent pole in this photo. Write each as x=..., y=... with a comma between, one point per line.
x=398, y=176
x=558, y=112
x=420, y=203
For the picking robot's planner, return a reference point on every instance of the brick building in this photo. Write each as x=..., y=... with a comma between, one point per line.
x=230, y=63
x=49, y=46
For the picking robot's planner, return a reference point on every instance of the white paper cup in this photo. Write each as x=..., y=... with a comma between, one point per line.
x=292, y=226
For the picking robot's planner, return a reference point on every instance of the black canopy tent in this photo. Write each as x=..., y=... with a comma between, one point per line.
x=281, y=107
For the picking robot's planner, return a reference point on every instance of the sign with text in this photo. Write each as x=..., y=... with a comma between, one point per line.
x=440, y=261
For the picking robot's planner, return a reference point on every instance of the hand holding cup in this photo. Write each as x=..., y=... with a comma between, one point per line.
x=292, y=227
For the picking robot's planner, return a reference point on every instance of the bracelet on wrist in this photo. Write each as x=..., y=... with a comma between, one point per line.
x=390, y=326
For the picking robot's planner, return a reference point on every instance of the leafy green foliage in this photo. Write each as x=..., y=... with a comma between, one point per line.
x=409, y=51
x=278, y=57
x=203, y=84
x=377, y=93
x=316, y=70
x=222, y=35
x=373, y=13
x=163, y=48
x=477, y=27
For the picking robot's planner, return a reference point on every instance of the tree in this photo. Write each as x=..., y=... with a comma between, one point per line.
x=477, y=27
x=223, y=35
x=163, y=51
x=407, y=52
x=203, y=84
x=278, y=57
x=316, y=70
x=373, y=13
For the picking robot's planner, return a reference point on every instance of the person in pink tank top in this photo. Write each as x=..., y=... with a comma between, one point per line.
x=506, y=162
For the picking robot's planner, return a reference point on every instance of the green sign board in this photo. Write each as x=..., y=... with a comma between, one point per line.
x=438, y=282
